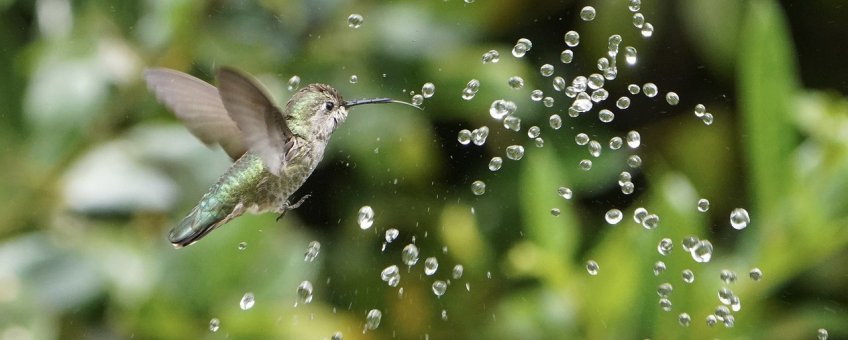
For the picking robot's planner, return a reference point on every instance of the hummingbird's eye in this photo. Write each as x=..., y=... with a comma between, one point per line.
x=329, y=106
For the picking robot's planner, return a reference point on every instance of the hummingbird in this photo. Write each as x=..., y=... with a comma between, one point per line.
x=274, y=149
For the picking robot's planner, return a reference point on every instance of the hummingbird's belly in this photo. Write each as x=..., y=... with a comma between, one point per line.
x=275, y=193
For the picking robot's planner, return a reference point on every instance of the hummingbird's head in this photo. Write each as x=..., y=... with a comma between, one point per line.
x=316, y=111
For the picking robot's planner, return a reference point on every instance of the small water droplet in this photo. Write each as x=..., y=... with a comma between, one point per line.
x=630, y=55
x=707, y=118
x=294, y=82
x=548, y=101
x=689, y=242
x=594, y=148
x=633, y=89
x=515, y=82
x=615, y=143
x=312, y=251
x=521, y=47
x=821, y=334
x=431, y=265
x=304, y=291
x=478, y=187
x=391, y=235
x=439, y=287
x=665, y=289
x=727, y=276
x=391, y=275
x=354, y=79
x=337, y=336
x=372, y=319
x=581, y=139
x=409, y=255
x=566, y=56
x=464, y=137
x=558, y=83
x=688, y=276
x=546, y=70
x=603, y=63
x=606, y=116
x=638, y=20
x=495, y=163
x=501, y=108
x=634, y=5
x=612, y=45
x=512, y=123
x=665, y=246
x=572, y=38
x=647, y=30
x=565, y=193
x=247, y=301
x=555, y=121
x=479, y=135
x=514, y=152
x=613, y=216
x=355, y=20
x=755, y=274
x=555, y=212
x=634, y=161
x=703, y=205
x=536, y=95
x=639, y=214
x=650, y=90
x=651, y=222
x=711, y=320
x=585, y=164
x=417, y=100
x=214, y=325
x=659, y=268
x=491, y=57
x=684, y=319
x=702, y=251
x=365, y=219
x=457, y=271
x=428, y=89
x=587, y=13
x=700, y=110
x=533, y=131
x=592, y=267
x=634, y=139
x=582, y=102
x=665, y=304
x=242, y=245
x=672, y=98
x=739, y=218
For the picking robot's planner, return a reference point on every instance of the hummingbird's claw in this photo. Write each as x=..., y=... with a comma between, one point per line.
x=286, y=206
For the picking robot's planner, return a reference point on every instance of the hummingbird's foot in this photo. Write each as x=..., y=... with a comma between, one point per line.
x=286, y=206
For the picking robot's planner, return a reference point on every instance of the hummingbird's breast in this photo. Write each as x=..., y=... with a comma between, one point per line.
x=301, y=161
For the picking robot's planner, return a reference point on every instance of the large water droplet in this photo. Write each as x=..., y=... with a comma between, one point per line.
x=711, y=320
x=409, y=255
x=514, y=152
x=242, y=245
x=391, y=275
x=587, y=13
x=572, y=38
x=600, y=95
x=365, y=217
x=689, y=242
x=372, y=319
x=304, y=291
x=312, y=251
x=565, y=193
x=739, y=218
x=439, y=287
x=355, y=20
x=464, y=137
x=247, y=301
x=558, y=83
x=592, y=267
x=613, y=216
x=501, y=108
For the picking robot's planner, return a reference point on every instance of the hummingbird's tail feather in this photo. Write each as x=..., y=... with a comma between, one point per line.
x=205, y=217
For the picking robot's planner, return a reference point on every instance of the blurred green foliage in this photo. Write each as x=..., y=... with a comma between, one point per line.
x=95, y=172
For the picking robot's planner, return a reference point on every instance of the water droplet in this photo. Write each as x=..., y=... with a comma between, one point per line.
x=600, y=95
x=559, y=83
x=592, y=267
x=501, y=108
x=337, y=336
x=707, y=118
x=711, y=320
x=444, y=315
x=548, y=101
x=491, y=57
x=417, y=100
x=739, y=219
x=634, y=5
x=664, y=289
x=242, y=245
x=354, y=79
x=533, y=131
x=594, y=148
x=634, y=139
x=495, y=163
x=464, y=137
x=365, y=217
x=627, y=188
x=572, y=38
x=721, y=312
x=580, y=83
x=428, y=90
x=214, y=325
x=672, y=98
x=555, y=121
x=665, y=304
x=312, y=251
x=703, y=205
x=431, y=265
x=665, y=246
x=755, y=274
x=630, y=55
x=659, y=268
x=536, y=95
x=391, y=275
x=521, y=47
x=304, y=291
x=478, y=136
x=439, y=287
x=647, y=30
x=634, y=161
x=615, y=143
x=372, y=319
x=702, y=251
x=700, y=110
x=566, y=56
x=546, y=70
x=688, y=276
x=515, y=82
x=555, y=212
x=586, y=164
x=613, y=216
x=587, y=13
x=514, y=152
x=605, y=116
x=582, y=102
x=391, y=235
x=639, y=214
x=512, y=123
x=473, y=85
x=355, y=20
x=478, y=187
x=409, y=255
x=539, y=142
x=457, y=271
x=727, y=276
x=821, y=334
x=294, y=82
x=684, y=319
x=689, y=242
x=565, y=193
x=651, y=222
x=735, y=304
x=650, y=90
x=468, y=94
x=247, y=301
x=638, y=20
x=633, y=89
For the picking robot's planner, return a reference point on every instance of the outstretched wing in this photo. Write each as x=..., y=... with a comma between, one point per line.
x=262, y=124
x=199, y=106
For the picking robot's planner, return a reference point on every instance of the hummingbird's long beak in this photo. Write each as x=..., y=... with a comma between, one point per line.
x=351, y=103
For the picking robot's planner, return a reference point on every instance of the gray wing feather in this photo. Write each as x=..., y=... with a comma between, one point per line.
x=199, y=106
x=262, y=124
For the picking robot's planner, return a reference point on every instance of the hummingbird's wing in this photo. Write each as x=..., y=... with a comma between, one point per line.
x=262, y=124
x=199, y=106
